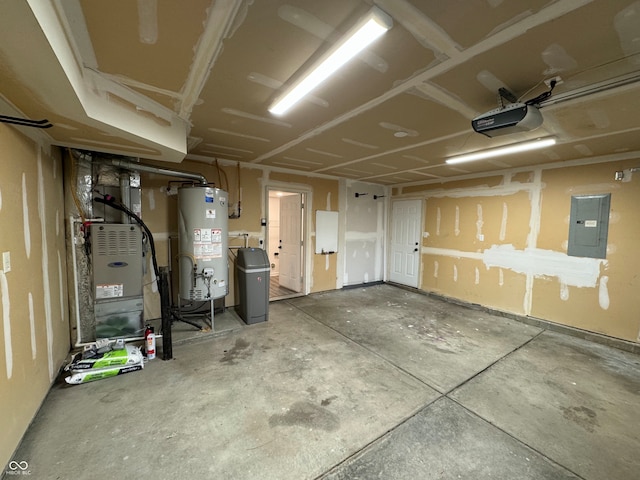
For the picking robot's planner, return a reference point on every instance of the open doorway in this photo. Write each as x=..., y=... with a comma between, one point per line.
x=285, y=245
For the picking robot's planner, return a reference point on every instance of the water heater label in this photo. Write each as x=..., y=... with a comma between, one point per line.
x=207, y=251
x=207, y=243
x=208, y=195
x=210, y=213
x=205, y=235
x=109, y=290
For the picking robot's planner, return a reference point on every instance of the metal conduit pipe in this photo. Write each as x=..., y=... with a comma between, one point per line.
x=141, y=167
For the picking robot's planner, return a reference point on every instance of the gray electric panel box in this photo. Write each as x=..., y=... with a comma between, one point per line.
x=117, y=261
x=589, y=225
x=252, y=274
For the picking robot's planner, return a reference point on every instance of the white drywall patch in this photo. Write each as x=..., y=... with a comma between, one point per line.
x=60, y=289
x=438, y=218
x=627, y=24
x=557, y=59
x=500, y=277
x=46, y=285
x=436, y=265
x=477, y=281
x=326, y=262
x=527, y=300
x=6, y=324
x=152, y=200
x=598, y=116
x=564, y=291
x=592, y=188
x=450, y=252
x=479, y=223
x=25, y=217
x=573, y=271
x=455, y=273
x=536, y=202
x=366, y=277
x=503, y=222
x=583, y=150
x=484, y=191
x=148, y=21
x=603, y=293
x=489, y=81
x=456, y=227
x=32, y=328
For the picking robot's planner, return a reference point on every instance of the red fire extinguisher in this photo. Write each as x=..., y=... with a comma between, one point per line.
x=150, y=342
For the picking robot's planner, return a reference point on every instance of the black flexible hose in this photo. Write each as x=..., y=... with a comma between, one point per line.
x=543, y=96
x=109, y=200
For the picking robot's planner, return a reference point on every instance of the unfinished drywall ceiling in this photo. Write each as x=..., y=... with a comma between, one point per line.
x=390, y=116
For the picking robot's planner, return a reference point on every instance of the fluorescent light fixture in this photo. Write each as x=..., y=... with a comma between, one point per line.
x=372, y=26
x=497, y=152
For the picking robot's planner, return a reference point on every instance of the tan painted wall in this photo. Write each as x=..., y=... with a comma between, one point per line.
x=482, y=232
x=159, y=212
x=34, y=338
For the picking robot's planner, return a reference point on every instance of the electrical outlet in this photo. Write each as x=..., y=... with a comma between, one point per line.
x=548, y=81
x=6, y=262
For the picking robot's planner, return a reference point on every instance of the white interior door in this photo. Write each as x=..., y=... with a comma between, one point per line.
x=405, y=242
x=274, y=235
x=290, y=244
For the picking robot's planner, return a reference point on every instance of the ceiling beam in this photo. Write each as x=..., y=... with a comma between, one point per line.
x=222, y=14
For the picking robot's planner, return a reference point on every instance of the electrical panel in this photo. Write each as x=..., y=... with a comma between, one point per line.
x=589, y=225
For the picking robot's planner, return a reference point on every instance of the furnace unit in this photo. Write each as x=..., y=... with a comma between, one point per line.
x=117, y=261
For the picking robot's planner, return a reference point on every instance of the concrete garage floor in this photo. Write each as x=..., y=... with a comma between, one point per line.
x=367, y=383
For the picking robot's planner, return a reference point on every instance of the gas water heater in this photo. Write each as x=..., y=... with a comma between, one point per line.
x=202, y=243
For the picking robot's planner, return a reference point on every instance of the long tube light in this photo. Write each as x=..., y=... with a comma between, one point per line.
x=372, y=26
x=497, y=152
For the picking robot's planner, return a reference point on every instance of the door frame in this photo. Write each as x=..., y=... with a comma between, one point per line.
x=390, y=236
x=306, y=196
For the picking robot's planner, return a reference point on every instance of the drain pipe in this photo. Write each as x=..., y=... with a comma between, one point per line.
x=141, y=167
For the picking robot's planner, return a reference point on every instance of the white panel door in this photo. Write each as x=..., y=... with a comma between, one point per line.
x=290, y=245
x=406, y=223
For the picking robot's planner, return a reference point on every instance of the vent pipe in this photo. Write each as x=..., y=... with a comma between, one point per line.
x=141, y=167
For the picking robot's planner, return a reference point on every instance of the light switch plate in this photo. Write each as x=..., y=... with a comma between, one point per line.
x=6, y=262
